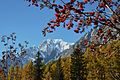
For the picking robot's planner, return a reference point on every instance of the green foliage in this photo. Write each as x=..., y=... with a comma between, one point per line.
x=38, y=67
x=77, y=65
x=58, y=71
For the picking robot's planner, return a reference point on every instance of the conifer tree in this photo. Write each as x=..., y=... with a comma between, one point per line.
x=38, y=67
x=114, y=62
x=28, y=71
x=66, y=64
x=104, y=62
x=11, y=73
x=96, y=65
x=2, y=74
x=49, y=75
x=17, y=73
x=59, y=70
x=77, y=65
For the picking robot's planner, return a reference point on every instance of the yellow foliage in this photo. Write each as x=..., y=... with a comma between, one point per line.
x=28, y=72
x=103, y=63
x=66, y=62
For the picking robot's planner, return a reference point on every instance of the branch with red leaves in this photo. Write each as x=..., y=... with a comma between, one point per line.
x=73, y=14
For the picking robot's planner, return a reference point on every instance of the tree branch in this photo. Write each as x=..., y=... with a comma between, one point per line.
x=62, y=1
x=107, y=5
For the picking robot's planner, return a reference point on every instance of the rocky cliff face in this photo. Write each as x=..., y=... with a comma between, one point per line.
x=50, y=49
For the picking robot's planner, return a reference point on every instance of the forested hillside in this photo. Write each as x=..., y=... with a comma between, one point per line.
x=95, y=56
x=101, y=64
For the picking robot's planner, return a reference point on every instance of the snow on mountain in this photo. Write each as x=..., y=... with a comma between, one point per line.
x=50, y=49
x=50, y=44
x=29, y=55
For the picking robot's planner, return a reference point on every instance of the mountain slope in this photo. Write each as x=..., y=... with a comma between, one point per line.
x=50, y=49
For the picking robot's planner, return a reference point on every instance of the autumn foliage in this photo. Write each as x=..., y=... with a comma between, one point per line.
x=79, y=14
x=102, y=64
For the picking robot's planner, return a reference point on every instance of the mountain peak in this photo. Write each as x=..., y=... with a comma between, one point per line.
x=49, y=49
x=54, y=43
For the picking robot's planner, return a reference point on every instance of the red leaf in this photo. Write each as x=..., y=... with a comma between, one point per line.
x=52, y=27
x=54, y=4
x=85, y=1
x=102, y=4
x=49, y=24
x=76, y=30
x=57, y=15
x=50, y=31
x=33, y=1
x=100, y=31
x=81, y=6
x=57, y=10
x=102, y=19
x=72, y=1
x=60, y=6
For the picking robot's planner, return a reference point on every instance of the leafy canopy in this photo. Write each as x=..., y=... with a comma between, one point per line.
x=80, y=14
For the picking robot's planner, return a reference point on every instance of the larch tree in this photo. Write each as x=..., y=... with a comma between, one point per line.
x=11, y=73
x=17, y=73
x=28, y=71
x=103, y=63
x=2, y=74
x=66, y=66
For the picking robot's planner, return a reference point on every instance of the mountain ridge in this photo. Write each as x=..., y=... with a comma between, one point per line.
x=50, y=49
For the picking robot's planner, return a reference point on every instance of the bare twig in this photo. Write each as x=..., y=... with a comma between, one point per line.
x=62, y=1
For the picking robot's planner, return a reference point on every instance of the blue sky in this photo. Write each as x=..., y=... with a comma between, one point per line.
x=28, y=22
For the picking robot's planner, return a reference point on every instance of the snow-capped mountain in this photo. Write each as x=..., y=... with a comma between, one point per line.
x=50, y=44
x=50, y=49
